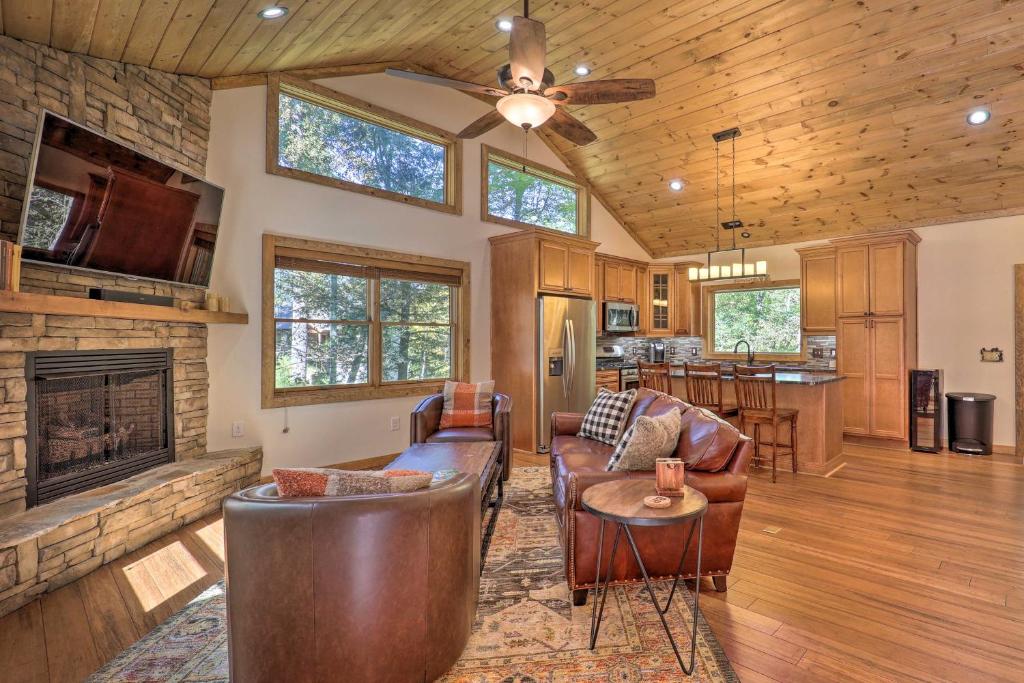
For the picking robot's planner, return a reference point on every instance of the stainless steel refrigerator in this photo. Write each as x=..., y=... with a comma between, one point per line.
x=566, y=373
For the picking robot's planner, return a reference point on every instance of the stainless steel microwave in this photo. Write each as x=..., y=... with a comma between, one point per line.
x=621, y=317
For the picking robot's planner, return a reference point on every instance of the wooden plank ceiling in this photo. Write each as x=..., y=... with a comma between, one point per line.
x=852, y=111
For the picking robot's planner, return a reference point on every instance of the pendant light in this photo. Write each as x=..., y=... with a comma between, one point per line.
x=738, y=269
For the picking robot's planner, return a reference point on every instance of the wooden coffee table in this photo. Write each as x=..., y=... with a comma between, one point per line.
x=622, y=503
x=482, y=458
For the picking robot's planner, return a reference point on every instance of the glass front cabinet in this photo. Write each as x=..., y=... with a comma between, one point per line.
x=659, y=299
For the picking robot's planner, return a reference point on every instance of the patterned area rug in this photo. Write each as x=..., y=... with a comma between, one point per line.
x=526, y=630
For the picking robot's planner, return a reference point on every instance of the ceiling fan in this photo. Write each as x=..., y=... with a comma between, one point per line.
x=527, y=91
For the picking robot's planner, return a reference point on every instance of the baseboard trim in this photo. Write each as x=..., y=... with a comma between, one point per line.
x=375, y=463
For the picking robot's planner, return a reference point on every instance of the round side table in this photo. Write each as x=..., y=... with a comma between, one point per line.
x=621, y=502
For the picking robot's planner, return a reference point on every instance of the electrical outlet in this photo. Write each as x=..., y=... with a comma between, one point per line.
x=671, y=350
x=237, y=429
x=394, y=423
x=817, y=352
x=693, y=351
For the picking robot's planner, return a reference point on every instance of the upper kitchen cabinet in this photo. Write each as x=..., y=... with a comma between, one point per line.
x=818, y=290
x=565, y=266
x=619, y=280
x=686, y=299
x=660, y=288
x=876, y=275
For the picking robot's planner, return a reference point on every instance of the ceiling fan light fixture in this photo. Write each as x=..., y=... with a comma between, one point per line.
x=582, y=70
x=525, y=109
x=503, y=24
x=272, y=12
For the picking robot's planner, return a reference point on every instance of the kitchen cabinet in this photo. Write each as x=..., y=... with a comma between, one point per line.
x=660, y=287
x=609, y=379
x=876, y=330
x=565, y=268
x=818, y=290
x=642, y=298
x=686, y=323
x=619, y=280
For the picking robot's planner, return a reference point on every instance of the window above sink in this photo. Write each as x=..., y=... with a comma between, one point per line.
x=764, y=314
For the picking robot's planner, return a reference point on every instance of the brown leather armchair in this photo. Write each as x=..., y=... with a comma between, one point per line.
x=426, y=418
x=717, y=457
x=358, y=588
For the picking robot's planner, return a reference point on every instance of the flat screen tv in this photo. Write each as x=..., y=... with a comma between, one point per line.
x=96, y=204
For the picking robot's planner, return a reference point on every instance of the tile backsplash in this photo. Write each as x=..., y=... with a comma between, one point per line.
x=682, y=349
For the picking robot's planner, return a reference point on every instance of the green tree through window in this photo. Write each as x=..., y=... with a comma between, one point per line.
x=328, y=143
x=768, y=318
x=523, y=197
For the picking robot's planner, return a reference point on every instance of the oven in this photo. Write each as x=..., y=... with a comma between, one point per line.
x=629, y=378
x=620, y=317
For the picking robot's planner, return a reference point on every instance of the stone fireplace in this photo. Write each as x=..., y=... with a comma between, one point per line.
x=96, y=417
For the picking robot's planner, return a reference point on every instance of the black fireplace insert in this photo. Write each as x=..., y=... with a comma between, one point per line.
x=96, y=417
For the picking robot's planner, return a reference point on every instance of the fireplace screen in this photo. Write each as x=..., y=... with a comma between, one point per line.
x=95, y=418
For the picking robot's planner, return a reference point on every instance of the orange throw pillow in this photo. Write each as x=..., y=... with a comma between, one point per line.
x=467, y=404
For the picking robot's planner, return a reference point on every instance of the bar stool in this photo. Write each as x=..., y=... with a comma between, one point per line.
x=704, y=388
x=657, y=376
x=755, y=394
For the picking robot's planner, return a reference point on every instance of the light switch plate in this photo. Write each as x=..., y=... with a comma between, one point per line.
x=237, y=429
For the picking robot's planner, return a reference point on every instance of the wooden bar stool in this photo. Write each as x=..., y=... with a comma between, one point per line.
x=704, y=388
x=755, y=394
x=657, y=376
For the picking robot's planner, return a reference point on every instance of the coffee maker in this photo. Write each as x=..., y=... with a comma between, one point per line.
x=657, y=352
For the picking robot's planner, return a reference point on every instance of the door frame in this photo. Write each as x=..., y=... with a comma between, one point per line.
x=1018, y=346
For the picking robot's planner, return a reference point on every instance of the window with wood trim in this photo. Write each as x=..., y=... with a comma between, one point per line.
x=323, y=136
x=523, y=194
x=764, y=314
x=344, y=323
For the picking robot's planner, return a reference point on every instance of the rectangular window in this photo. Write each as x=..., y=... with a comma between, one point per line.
x=522, y=194
x=323, y=136
x=349, y=323
x=766, y=316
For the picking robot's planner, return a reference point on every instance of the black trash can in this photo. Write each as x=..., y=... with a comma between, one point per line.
x=970, y=422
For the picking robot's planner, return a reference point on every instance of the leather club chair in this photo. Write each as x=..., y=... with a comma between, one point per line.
x=360, y=588
x=426, y=418
x=717, y=458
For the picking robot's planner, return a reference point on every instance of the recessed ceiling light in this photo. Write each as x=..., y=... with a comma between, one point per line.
x=272, y=12
x=504, y=25
x=978, y=117
x=676, y=185
x=582, y=70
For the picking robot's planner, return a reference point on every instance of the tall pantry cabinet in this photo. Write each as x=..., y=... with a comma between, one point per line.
x=876, y=330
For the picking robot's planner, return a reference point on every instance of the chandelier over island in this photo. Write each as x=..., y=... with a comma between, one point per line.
x=736, y=269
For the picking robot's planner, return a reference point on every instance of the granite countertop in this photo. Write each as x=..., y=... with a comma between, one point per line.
x=787, y=377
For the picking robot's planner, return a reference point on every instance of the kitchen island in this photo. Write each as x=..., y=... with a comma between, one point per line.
x=817, y=396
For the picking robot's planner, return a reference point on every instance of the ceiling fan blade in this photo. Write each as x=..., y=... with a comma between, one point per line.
x=446, y=82
x=527, y=48
x=570, y=128
x=483, y=124
x=602, y=92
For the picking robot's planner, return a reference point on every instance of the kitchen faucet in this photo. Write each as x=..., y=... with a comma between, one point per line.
x=750, y=352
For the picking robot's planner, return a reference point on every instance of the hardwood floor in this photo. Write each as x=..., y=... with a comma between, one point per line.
x=901, y=567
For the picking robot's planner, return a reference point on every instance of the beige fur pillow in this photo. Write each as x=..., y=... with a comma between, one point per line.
x=646, y=440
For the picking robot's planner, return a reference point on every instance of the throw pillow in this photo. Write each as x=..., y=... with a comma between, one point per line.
x=606, y=419
x=323, y=481
x=467, y=404
x=646, y=440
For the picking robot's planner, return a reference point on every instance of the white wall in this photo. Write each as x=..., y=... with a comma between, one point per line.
x=965, y=302
x=256, y=202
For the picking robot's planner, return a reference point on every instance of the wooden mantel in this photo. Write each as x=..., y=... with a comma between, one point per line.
x=27, y=302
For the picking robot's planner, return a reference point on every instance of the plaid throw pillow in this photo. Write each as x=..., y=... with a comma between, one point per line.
x=467, y=405
x=606, y=418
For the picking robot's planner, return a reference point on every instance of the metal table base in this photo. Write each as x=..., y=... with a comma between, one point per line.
x=598, y=612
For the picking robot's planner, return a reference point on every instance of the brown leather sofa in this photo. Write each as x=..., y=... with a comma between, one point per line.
x=358, y=588
x=717, y=457
x=426, y=418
